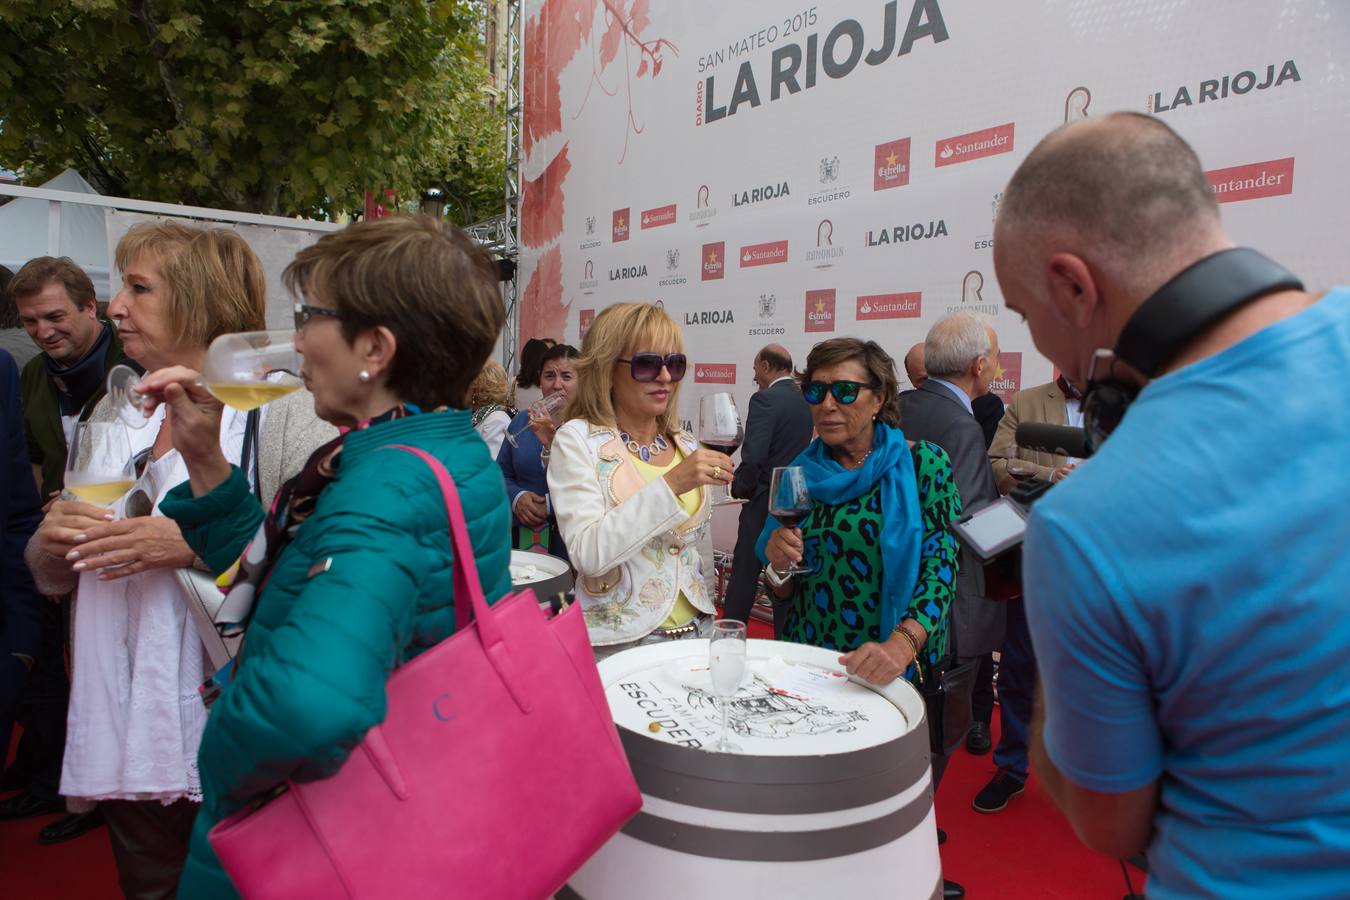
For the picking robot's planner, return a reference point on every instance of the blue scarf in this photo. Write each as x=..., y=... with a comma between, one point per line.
x=902, y=526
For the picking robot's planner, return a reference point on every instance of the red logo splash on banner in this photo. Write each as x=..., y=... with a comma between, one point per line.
x=975, y=145
x=890, y=306
x=820, y=310
x=1008, y=377
x=1253, y=181
x=621, y=229
x=764, y=254
x=662, y=215
x=890, y=168
x=587, y=316
x=713, y=262
x=715, y=373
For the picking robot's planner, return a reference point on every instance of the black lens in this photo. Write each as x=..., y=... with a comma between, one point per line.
x=845, y=391
x=814, y=392
x=676, y=365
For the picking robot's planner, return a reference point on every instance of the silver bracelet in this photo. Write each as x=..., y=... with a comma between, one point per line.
x=774, y=577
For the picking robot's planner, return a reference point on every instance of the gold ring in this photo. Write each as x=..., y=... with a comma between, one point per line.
x=717, y=472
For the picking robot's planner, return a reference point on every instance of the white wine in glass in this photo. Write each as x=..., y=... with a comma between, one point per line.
x=546, y=409
x=99, y=464
x=250, y=368
x=726, y=667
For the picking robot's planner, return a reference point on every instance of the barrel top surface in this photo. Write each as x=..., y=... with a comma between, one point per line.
x=794, y=701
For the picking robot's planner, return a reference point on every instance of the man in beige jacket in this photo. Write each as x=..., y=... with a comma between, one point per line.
x=1056, y=403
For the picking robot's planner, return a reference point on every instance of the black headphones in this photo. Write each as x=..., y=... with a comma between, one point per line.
x=1196, y=298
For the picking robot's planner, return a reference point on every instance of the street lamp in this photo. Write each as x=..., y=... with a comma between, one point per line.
x=433, y=202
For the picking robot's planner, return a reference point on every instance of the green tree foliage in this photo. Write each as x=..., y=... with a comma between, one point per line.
x=271, y=106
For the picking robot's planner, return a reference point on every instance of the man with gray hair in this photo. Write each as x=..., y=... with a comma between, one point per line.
x=960, y=354
x=1188, y=615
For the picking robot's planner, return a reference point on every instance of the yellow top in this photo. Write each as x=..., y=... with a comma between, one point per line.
x=684, y=611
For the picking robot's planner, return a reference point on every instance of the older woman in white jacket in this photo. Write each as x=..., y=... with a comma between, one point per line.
x=628, y=485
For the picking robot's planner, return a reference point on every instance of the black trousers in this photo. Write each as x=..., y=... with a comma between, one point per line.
x=982, y=699
x=745, y=566
x=149, y=844
x=41, y=710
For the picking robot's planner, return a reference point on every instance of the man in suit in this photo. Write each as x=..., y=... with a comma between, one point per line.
x=988, y=407
x=21, y=606
x=777, y=428
x=1056, y=403
x=959, y=354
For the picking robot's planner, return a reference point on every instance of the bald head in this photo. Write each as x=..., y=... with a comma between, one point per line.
x=1122, y=190
x=914, y=366
x=772, y=363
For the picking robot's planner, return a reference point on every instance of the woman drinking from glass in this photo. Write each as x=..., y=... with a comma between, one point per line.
x=135, y=718
x=353, y=565
x=628, y=486
x=523, y=462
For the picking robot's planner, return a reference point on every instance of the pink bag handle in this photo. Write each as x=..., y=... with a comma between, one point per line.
x=467, y=586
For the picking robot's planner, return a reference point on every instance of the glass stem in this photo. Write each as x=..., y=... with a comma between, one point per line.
x=722, y=741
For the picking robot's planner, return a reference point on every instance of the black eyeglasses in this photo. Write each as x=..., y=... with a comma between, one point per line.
x=844, y=392
x=304, y=312
x=648, y=366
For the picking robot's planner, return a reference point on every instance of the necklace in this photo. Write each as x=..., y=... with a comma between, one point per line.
x=644, y=452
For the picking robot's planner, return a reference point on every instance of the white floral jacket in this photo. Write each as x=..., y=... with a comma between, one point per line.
x=634, y=547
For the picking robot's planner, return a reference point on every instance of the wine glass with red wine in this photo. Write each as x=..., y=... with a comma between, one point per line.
x=719, y=428
x=790, y=502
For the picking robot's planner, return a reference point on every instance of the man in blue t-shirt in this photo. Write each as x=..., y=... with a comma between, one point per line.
x=1187, y=589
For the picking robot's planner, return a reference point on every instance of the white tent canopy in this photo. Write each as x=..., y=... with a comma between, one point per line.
x=83, y=230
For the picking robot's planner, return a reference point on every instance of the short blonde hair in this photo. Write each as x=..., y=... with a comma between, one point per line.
x=216, y=283
x=491, y=386
x=623, y=327
x=426, y=281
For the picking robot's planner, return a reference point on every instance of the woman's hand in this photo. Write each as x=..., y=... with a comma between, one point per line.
x=784, y=548
x=194, y=423
x=701, y=467
x=544, y=429
x=132, y=545
x=67, y=523
x=880, y=663
x=532, y=510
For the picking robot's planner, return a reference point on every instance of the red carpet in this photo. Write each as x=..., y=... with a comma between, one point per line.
x=1026, y=851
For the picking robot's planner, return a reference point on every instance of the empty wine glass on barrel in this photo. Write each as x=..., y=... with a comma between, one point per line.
x=243, y=370
x=726, y=666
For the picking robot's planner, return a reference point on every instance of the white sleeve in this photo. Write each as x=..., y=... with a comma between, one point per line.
x=493, y=431
x=599, y=538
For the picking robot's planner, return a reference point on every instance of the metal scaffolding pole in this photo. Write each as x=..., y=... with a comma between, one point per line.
x=509, y=233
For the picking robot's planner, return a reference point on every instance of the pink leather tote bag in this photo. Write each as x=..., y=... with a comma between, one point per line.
x=496, y=773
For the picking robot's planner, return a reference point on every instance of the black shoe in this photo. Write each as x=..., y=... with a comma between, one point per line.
x=998, y=792
x=942, y=837
x=26, y=805
x=70, y=827
x=951, y=890
x=977, y=739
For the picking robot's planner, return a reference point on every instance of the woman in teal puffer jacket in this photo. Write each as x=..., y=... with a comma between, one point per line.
x=352, y=567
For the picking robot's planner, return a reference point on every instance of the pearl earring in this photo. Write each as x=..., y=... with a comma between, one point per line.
x=363, y=375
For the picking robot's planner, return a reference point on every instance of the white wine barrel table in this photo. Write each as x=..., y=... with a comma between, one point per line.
x=830, y=795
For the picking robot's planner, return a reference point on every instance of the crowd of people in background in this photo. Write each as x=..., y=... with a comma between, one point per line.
x=305, y=500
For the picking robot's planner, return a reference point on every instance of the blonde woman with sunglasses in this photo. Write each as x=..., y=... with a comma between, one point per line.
x=628, y=486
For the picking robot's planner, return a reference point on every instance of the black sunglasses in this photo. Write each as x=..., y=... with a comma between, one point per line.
x=648, y=366
x=844, y=392
x=304, y=312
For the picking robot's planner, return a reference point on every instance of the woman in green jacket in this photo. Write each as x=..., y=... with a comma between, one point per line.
x=353, y=564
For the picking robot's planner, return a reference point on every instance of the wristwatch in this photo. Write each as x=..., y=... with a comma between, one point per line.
x=774, y=578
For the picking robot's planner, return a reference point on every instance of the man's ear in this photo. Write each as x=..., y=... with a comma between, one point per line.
x=1072, y=289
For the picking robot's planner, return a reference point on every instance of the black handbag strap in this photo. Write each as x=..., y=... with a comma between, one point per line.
x=250, y=453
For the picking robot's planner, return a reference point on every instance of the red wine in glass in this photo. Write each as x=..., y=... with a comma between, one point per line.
x=790, y=502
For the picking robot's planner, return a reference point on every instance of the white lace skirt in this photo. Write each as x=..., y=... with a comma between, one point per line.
x=135, y=717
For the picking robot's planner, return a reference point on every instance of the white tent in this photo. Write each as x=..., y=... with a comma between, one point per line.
x=84, y=230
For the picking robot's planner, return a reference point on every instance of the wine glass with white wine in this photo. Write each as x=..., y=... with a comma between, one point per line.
x=726, y=668
x=243, y=370
x=99, y=464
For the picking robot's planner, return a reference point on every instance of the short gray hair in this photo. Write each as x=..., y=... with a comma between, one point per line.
x=956, y=341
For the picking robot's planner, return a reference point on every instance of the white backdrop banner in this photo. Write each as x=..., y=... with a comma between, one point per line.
x=276, y=247
x=786, y=173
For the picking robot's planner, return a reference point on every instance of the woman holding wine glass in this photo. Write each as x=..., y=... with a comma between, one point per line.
x=522, y=458
x=629, y=488
x=134, y=719
x=877, y=572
